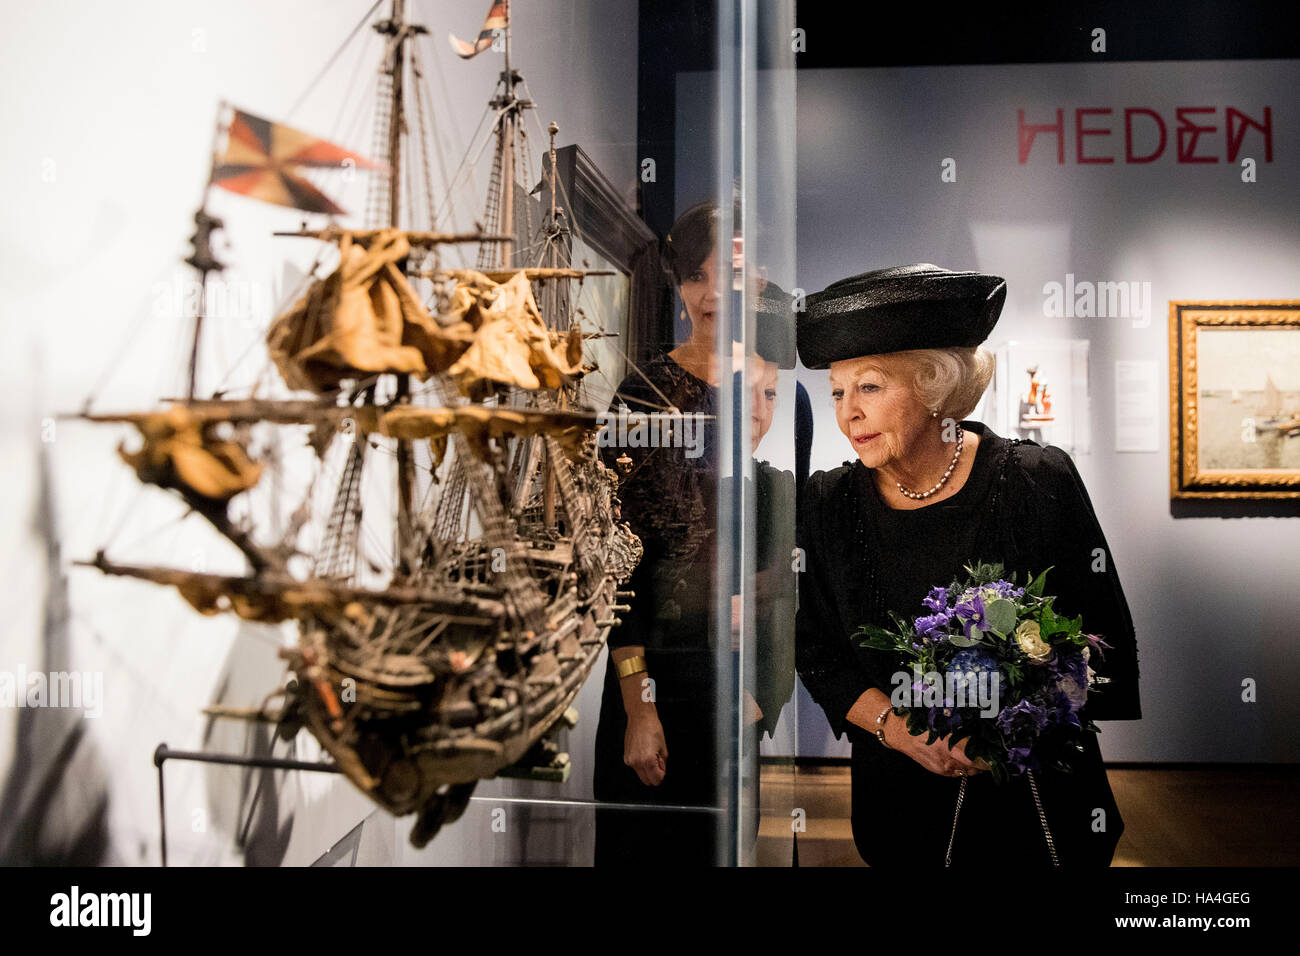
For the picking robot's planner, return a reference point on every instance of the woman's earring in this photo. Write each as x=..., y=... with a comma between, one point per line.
x=934, y=413
x=683, y=315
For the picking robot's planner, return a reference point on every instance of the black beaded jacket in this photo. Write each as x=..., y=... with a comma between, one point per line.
x=1036, y=514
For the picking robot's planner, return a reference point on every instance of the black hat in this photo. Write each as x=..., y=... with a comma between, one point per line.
x=774, y=326
x=893, y=310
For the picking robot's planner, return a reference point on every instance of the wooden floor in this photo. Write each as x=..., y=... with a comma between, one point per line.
x=1203, y=817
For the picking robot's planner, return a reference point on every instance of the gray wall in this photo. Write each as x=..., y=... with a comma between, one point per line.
x=1215, y=600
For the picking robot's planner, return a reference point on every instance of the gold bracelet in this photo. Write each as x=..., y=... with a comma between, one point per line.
x=630, y=666
x=880, y=726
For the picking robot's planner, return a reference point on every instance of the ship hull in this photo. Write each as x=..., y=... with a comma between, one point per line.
x=407, y=763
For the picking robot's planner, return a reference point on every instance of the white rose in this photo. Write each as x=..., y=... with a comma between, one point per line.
x=1029, y=639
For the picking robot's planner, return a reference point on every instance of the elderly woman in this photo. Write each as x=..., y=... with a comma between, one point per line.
x=928, y=493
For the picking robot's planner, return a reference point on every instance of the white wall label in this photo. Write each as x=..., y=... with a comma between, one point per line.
x=1137, y=421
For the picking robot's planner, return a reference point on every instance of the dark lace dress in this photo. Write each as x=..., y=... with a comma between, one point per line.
x=669, y=498
x=1025, y=506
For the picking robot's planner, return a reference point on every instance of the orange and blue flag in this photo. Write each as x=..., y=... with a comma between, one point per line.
x=495, y=22
x=264, y=160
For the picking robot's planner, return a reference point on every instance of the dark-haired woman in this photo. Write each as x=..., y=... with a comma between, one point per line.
x=655, y=743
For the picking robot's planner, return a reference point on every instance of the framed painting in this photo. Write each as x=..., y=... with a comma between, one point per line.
x=1234, y=411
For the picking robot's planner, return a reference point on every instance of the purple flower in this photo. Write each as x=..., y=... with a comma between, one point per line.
x=944, y=719
x=1022, y=719
x=1006, y=589
x=1096, y=643
x=1073, y=666
x=937, y=599
x=972, y=614
x=1065, y=710
x=1021, y=759
x=931, y=626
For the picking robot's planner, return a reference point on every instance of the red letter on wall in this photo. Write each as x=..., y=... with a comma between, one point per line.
x=1189, y=132
x=1235, y=137
x=1026, y=135
x=1129, y=156
x=1080, y=132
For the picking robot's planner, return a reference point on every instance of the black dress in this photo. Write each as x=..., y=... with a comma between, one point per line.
x=774, y=590
x=1024, y=506
x=670, y=499
x=769, y=674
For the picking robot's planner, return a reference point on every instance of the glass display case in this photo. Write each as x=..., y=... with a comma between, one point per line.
x=438, y=504
x=394, y=423
x=1040, y=392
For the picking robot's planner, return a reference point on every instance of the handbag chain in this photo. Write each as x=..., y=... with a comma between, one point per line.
x=1038, y=804
x=1042, y=818
x=961, y=795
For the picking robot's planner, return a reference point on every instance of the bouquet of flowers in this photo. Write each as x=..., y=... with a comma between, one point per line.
x=995, y=665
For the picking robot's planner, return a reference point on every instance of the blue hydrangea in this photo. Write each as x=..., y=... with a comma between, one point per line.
x=966, y=667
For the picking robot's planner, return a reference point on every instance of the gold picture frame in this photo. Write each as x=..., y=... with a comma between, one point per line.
x=1234, y=431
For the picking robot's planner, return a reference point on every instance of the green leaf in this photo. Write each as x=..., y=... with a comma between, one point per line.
x=1036, y=588
x=1049, y=623
x=1001, y=616
x=957, y=640
x=878, y=637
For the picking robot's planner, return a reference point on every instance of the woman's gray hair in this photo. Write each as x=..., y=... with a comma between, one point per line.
x=950, y=380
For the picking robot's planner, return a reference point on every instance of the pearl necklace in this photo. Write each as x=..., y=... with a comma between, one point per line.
x=917, y=496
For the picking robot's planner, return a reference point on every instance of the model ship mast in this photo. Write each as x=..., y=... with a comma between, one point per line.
x=400, y=31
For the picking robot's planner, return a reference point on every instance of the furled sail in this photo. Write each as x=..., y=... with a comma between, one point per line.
x=181, y=450
x=570, y=429
x=364, y=318
x=512, y=345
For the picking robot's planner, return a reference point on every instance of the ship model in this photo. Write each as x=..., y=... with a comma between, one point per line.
x=507, y=545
